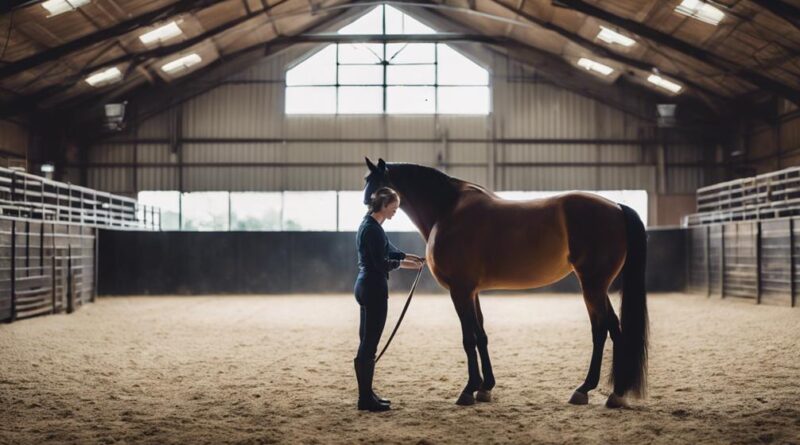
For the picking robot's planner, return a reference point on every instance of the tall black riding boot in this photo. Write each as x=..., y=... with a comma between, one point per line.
x=375, y=396
x=365, y=370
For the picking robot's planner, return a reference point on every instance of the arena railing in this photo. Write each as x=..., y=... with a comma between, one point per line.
x=768, y=196
x=28, y=196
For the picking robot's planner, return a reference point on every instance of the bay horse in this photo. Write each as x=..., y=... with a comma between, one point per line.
x=477, y=241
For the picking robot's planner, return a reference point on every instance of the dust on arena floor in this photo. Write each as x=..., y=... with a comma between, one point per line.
x=278, y=369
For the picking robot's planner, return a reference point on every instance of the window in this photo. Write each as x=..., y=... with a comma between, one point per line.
x=256, y=211
x=352, y=211
x=314, y=211
x=265, y=211
x=169, y=205
x=635, y=199
x=394, y=78
x=205, y=211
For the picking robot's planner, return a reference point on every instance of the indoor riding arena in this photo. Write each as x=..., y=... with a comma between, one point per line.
x=520, y=221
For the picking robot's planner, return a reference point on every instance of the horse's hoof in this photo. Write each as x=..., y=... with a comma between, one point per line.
x=465, y=399
x=615, y=401
x=484, y=395
x=579, y=398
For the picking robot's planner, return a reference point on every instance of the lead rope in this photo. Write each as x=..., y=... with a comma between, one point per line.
x=402, y=314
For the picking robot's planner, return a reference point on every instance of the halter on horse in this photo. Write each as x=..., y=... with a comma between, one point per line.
x=477, y=241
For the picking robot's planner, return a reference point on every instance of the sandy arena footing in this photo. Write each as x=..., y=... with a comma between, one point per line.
x=278, y=369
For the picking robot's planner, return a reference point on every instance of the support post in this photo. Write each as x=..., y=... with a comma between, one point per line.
x=95, y=261
x=70, y=293
x=758, y=261
x=708, y=260
x=13, y=270
x=791, y=263
x=722, y=260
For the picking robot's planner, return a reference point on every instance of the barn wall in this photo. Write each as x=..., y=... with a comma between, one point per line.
x=774, y=145
x=14, y=139
x=166, y=263
x=236, y=137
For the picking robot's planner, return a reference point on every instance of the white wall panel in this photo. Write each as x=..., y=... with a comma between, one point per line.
x=233, y=152
x=155, y=153
x=157, y=178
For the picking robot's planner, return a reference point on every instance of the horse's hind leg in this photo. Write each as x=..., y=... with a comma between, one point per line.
x=465, y=307
x=604, y=320
x=485, y=391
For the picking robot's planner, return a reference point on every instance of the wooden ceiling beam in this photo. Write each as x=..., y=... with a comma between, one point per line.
x=757, y=79
x=781, y=10
x=88, y=40
x=605, y=52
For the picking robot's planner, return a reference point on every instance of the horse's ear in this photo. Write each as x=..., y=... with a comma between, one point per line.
x=370, y=165
x=381, y=164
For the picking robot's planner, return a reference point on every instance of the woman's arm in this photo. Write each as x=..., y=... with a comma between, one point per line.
x=375, y=251
x=395, y=253
x=411, y=264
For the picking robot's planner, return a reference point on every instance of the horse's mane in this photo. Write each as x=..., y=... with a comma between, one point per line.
x=432, y=179
x=428, y=179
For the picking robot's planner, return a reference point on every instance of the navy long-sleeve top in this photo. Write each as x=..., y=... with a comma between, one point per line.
x=376, y=255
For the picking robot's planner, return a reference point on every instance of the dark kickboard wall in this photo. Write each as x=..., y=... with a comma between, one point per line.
x=165, y=263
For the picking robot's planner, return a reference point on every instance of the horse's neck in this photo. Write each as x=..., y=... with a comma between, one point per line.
x=425, y=204
x=424, y=220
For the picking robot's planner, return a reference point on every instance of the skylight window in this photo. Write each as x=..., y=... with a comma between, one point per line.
x=56, y=7
x=161, y=34
x=181, y=64
x=612, y=37
x=591, y=65
x=387, y=78
x=664, y=83
x=701, y=10
x=104, y=77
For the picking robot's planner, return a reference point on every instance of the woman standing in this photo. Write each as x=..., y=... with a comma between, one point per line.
x=376, y=257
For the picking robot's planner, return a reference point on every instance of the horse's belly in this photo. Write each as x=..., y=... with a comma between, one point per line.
x=526, y=275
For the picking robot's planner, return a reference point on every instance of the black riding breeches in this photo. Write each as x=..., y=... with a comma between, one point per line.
x=372, y=295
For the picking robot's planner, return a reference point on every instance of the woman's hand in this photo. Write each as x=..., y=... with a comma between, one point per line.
x=411, y=264
x=410, y=256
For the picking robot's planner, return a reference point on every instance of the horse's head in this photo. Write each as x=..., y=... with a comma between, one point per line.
x=375, y=179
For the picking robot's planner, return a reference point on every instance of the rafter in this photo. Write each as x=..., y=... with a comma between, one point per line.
x=602, y=51
x=781, y=10
x=135, y=59
x=667, y=40
x=86, y=41
x=10, y=5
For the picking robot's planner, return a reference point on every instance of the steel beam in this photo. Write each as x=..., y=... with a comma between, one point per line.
x=86, y=41
x=759, y=80
x=605, y=52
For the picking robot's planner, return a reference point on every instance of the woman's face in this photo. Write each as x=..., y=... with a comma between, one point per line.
x=391, y=209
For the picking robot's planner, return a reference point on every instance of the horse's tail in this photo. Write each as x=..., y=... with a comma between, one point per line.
x=629, y=367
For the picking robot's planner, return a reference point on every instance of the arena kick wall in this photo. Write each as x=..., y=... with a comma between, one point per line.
x=165, y=263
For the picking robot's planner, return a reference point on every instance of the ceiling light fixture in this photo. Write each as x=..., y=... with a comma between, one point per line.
x=56, y=7
x=664, y=83
x=104, y=77
x=701, y=10
x=181, y=64
x=591, y=65
x=611, y=37
x=161, y=34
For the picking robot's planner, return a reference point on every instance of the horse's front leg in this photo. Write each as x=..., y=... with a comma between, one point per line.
x=485, y=391
x=465, y=307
